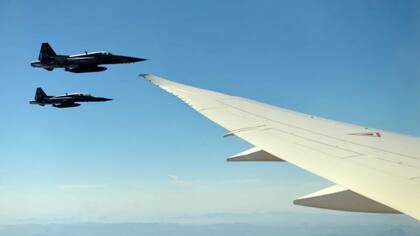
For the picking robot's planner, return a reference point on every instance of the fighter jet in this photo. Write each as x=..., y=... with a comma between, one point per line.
x=79, y=63
x=64, y=101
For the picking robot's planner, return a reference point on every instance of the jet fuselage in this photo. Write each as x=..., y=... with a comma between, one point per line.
x=79, y=63
x=66, y=100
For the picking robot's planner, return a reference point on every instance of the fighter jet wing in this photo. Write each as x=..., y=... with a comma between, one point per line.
x=375, y=171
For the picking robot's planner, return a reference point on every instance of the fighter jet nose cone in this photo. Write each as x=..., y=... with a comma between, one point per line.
x=135, y=59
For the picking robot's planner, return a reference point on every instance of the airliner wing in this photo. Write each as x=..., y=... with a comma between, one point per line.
x=375, y=170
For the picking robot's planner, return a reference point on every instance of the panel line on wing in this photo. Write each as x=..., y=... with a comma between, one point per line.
x=233, y=132
x=315, y=132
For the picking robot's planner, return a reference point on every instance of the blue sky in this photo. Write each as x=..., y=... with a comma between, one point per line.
x=145, y=156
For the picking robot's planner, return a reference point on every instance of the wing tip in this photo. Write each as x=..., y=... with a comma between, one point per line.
x=152, y=78
x=146, y=76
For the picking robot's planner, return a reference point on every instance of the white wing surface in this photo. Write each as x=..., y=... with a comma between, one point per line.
x=375, y=170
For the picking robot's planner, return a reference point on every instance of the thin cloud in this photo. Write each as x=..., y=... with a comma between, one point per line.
x=174, y=178
x=80, y=186
x=137, y=185
x=196, y=182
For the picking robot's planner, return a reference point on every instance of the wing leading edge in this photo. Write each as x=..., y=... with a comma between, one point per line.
x=376, y=165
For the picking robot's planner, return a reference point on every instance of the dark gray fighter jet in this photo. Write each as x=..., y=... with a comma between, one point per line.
x=85, y=62
x=64, y=101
